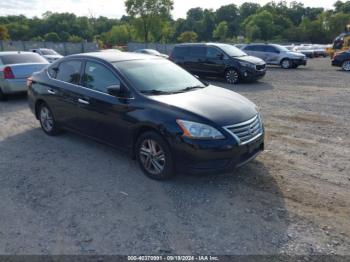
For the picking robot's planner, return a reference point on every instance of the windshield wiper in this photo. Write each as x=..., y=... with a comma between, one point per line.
x=189, y=88
x=154, y=92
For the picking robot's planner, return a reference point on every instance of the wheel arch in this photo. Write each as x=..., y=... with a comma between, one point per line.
x=38, y=103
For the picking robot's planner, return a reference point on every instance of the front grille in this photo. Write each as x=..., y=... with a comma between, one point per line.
x=260, y=67
x=247, y=131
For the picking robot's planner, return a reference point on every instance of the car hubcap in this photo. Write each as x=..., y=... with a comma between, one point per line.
x=285, y=64
x=46, y=119
x=152, y=156
x=346, y=66
x=232, y=77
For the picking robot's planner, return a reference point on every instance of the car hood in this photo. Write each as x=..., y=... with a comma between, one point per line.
x=222, y=106
x=53, y=56
x=251, y=59
x=296, y=54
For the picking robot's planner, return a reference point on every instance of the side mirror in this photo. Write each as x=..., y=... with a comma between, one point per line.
x=114, y=90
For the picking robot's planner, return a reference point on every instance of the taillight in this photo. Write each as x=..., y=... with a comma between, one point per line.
x=8, y=74
x=29, y=82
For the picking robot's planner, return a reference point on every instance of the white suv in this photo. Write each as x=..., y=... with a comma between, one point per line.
x=276, y=55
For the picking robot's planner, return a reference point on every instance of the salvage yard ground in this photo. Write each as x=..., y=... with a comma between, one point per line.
x=71, y=195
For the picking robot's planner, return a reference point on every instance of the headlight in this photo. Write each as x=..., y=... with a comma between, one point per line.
x=247, y=64
x=198, y=131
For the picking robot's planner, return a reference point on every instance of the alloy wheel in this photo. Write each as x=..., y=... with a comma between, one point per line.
x=286, y=64
x=152, y=156
x=46, y=119
x=346, y=66
x=232, y=76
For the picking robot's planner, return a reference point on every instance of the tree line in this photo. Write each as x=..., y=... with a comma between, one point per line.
x=152, y=21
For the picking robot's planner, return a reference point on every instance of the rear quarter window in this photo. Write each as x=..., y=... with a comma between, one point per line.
x=22, y=59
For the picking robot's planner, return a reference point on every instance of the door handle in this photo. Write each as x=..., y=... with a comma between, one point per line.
x=83, y=101
x=50, y=91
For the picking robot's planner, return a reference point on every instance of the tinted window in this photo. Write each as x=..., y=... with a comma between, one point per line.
x=22, y=59
x=213, y=52
x=180, y=52
x=231, y=50
x=197, y=51
x=270, y=49
x=257, y=48
x=69, y=72
x=98, y=77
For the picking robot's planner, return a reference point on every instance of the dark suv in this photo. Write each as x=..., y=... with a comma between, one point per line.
x=219, y=60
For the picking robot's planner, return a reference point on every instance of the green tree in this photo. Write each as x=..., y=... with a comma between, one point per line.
x=146, y=11
x=74, y=39
x=229, y=14
x=52, y=37
x=264, y=22
x=221, y=31
x=4, y=34
x=188, y=37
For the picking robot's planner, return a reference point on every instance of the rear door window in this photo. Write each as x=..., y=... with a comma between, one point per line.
x=69, y=72
x=21, y=58
x=197, y=51
x=180, y=52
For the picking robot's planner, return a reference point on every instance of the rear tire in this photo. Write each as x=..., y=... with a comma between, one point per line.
x=286, y=63
x=346, y=66
x=154, y=156
x=3, y=97
x=232, y=76
x=47, y=120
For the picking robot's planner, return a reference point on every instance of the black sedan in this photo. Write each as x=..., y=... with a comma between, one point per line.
x=159, y=113
x=342, y=60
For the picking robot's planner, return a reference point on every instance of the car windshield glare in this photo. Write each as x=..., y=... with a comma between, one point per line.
x=158, y=76
x=48, y=52
x=231, y=50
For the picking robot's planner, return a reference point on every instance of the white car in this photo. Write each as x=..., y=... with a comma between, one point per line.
x=49, y=54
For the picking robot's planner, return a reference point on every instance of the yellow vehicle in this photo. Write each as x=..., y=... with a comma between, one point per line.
x=341, y=43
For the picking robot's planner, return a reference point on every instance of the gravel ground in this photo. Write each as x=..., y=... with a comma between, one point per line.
x=71, y=195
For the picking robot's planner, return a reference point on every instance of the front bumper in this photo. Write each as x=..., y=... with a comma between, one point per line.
x=198, y=156
x=252, y=74
x=299, y=62
x=10, y=86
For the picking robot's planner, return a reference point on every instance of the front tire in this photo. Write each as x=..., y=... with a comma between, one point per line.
x=232, y=76
x=47, y=120
x=286, y=63
x=154, y=156
x=346, y=66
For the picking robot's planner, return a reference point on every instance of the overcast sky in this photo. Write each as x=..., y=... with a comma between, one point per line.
x=115, y=8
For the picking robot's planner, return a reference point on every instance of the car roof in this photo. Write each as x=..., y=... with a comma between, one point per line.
x=200, y=44
x=114, y=57
x=14, y=53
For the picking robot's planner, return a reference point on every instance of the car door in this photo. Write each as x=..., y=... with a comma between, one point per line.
x=196, y=56
x=104, y=112
x=65, y=94
x=272, y=56
x=214, y=63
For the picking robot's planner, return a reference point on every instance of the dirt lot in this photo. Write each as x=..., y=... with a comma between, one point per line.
x=70, y=195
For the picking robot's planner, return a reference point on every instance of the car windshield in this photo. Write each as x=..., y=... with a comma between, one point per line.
x=158, y=76
x=231, y=50
x=282, y=48
x=22, y=58
x=151, y=51
x=48, y=52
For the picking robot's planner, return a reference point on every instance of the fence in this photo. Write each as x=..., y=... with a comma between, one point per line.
x=163, y=48
x=62, y=48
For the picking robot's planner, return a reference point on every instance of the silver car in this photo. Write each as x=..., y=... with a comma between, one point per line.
x=49, y=54
x=276, y=55
x=15, y=68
